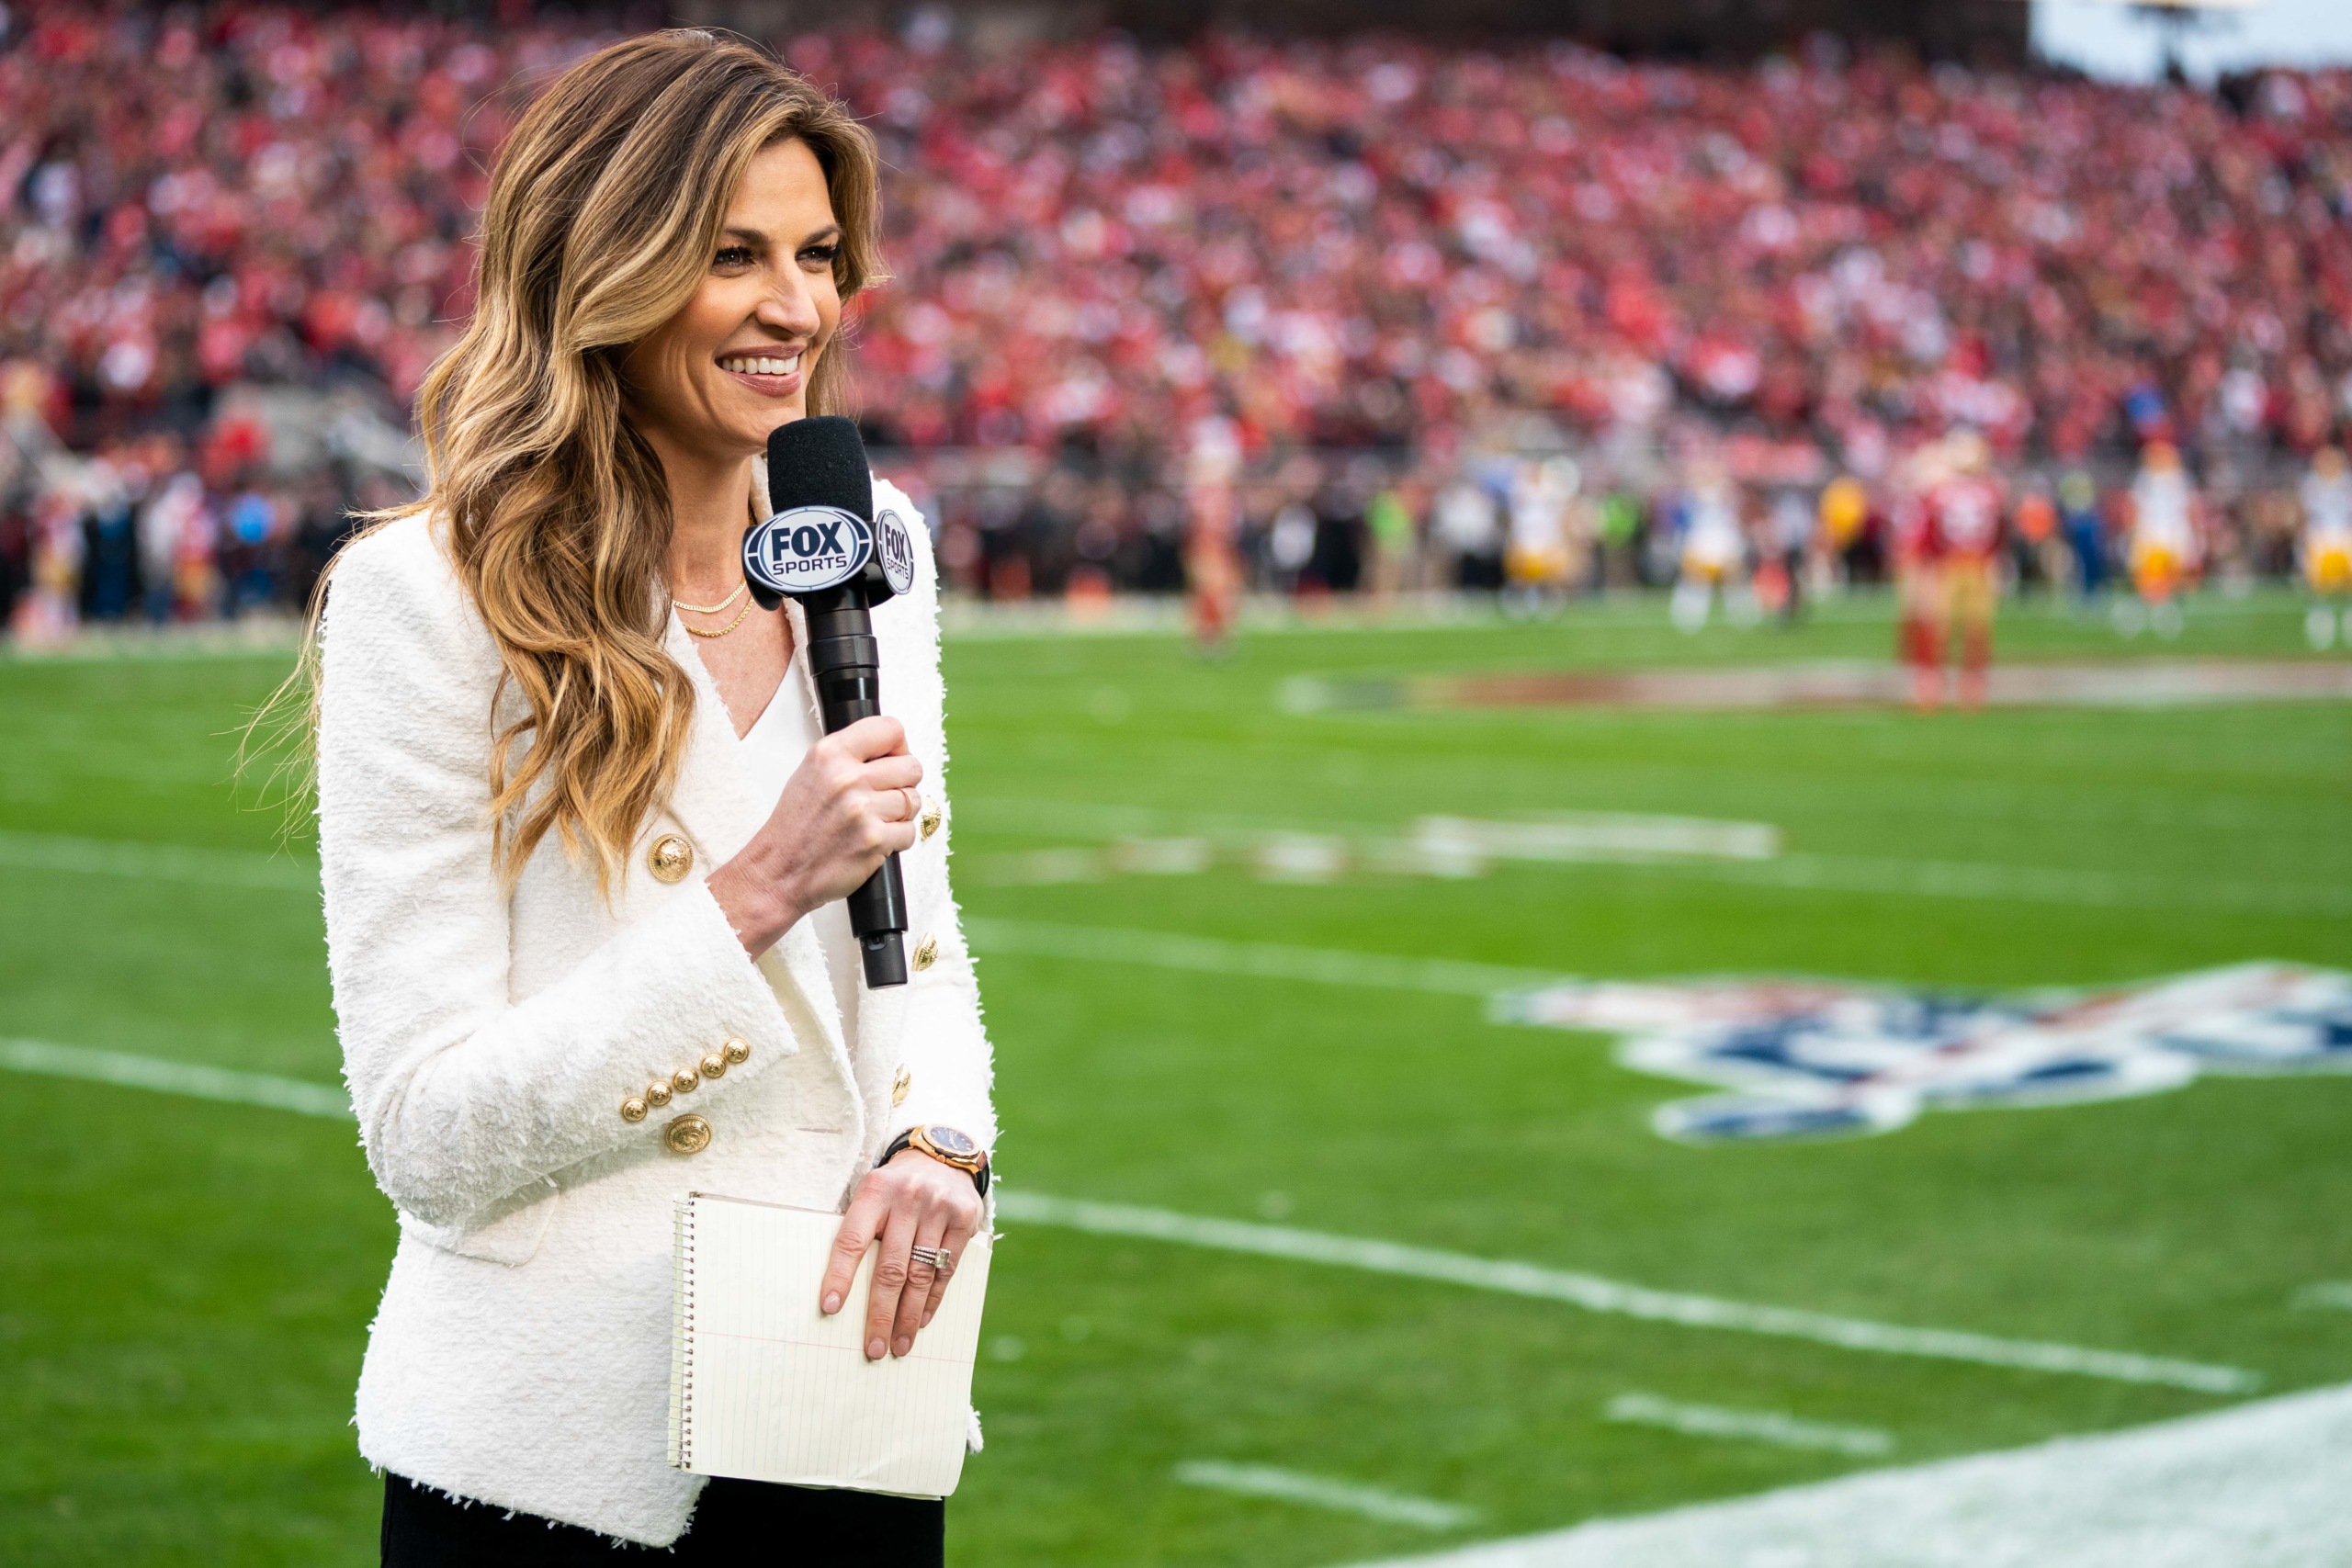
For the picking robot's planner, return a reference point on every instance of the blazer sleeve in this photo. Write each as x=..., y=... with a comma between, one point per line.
x=944, y=1047
x=465, y=1095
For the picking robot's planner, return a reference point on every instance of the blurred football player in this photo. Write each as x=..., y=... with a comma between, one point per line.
x=1714, y=552
x=1212, y=574
x=1964, y=520
x=1536, y=561
x=1917, y=553
x=2163, y=539
x=2325, y=546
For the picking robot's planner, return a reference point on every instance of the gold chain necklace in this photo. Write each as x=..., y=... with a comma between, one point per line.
x=718, y=609
x=740, y=616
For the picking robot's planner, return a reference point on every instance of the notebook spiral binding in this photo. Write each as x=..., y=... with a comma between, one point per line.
x=682, y=1339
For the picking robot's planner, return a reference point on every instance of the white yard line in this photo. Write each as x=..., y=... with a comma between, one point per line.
x=2334, y=1294
x=1255, y=960
x=1322, y=1492
x=2260, y=1485
x=1590, y=1291
x=1774, y=1426
x=161, y=862
x=191, y=1079
x=1595, y=1293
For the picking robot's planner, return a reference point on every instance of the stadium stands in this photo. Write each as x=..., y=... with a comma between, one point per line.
x=1368, y=243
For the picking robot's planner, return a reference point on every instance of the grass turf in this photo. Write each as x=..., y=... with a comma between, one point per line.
x=185, y=1286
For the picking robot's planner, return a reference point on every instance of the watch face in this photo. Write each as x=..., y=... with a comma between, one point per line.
x=948, y=1141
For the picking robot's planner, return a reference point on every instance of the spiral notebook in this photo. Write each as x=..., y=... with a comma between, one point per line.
x=764, y=1387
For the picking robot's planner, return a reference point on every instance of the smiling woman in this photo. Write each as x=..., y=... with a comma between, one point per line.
x=582, y=845
x=705, y=387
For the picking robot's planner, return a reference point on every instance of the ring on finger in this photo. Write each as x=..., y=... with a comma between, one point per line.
x=939, y=1258
x=911, y=801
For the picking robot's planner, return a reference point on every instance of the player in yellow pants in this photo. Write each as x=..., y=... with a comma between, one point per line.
x=1970, y=592
x=2325, y=546
x=2163, y=539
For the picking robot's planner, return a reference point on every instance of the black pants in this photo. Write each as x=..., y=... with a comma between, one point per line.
x=742, y=1524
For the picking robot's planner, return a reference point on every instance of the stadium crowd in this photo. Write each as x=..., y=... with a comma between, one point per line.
x=1341, y=274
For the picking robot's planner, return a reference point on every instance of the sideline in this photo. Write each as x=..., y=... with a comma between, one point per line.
x=2259, y=1485
x=1590, y=1291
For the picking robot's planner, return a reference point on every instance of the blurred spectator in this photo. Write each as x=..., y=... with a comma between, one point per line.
x=2033, y=538
x=2086, y=531
x=1616, y=540
x=109, y=552
x=1468, y=527
x=1396, y=545
x=174, y=549
x=1787, y=542
x=251, y=556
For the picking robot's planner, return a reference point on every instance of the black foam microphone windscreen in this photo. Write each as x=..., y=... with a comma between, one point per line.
x=819, y=461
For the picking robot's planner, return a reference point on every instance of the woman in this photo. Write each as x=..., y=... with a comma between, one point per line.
x=584, y=845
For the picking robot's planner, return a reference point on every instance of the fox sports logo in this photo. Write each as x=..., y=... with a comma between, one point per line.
x=806, y=549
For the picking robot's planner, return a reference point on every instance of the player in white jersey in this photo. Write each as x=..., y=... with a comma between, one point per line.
x=2325, y=546
x=2163, y=539
x=1714, y=552
x=1536, y=562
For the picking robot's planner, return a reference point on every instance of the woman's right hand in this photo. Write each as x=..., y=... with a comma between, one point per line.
x=850, y=803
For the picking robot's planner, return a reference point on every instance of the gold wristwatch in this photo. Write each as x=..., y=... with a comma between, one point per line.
x=947, y=1145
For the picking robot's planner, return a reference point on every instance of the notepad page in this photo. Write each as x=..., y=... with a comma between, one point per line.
x=767, y=1387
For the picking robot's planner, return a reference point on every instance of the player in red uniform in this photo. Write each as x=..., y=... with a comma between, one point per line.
x=1956, y=543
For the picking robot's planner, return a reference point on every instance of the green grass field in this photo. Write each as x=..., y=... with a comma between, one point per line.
x=185, y=1285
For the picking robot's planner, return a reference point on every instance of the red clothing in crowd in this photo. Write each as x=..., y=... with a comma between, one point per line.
x=1328, y=241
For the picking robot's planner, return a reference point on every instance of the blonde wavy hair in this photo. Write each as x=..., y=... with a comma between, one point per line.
x=606, y=207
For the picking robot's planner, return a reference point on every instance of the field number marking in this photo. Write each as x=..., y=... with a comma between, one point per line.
x=1322, y=1492
x=1771, y=1426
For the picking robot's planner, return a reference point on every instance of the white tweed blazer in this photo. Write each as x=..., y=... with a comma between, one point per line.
x=521, y=1354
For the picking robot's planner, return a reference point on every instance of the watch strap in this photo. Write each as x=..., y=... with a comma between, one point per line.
x=906, y=1140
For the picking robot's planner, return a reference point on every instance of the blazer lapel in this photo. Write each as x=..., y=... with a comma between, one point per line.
x=713, y=800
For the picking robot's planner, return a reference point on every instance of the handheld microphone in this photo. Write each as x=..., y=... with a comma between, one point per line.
x=824, y=546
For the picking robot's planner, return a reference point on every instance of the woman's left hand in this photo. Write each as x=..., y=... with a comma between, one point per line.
x=914, y=1201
